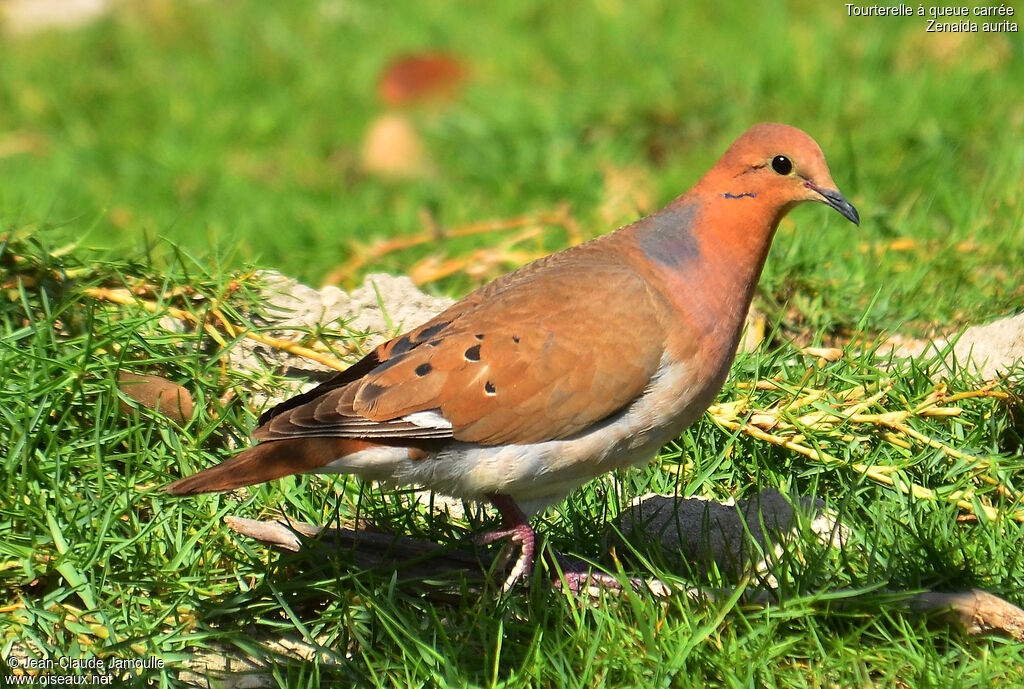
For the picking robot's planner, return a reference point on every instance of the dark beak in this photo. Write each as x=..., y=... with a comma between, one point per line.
x=834, y=198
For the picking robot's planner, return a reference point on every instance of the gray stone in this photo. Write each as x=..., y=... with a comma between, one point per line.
x=993, y=349
x=990, y=350
x=381, y=307
x=736, y=536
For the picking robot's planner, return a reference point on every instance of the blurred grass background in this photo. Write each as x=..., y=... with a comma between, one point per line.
x=180, y=142
x=234, y=129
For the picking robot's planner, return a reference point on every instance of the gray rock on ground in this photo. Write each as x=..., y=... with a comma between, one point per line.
x=995, y=348
x=736, y=536
x=377, y=310
x=990, y=350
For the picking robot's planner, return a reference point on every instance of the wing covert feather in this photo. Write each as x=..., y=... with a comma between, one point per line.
x=540, y=354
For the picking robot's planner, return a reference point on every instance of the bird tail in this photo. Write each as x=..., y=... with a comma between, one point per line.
x=266, y=462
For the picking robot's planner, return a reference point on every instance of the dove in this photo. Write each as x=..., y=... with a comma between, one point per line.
x=572, y=366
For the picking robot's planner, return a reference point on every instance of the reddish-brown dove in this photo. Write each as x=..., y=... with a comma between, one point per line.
x=574, y=365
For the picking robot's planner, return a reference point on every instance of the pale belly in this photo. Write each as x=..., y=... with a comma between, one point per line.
x=537, y=474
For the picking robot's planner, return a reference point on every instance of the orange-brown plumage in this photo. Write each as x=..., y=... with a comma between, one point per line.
x=575, y=364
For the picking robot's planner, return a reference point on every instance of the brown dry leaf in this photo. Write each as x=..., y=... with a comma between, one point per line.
x=480, y=264
x=416, y=78
x=156, y=393
x=393, y=149
x=765, y=422
x=432, y=268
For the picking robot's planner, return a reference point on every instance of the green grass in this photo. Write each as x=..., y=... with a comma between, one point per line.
x=233, y=131
x=209, y=125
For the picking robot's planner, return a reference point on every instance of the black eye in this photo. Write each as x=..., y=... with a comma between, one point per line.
x=782, y=165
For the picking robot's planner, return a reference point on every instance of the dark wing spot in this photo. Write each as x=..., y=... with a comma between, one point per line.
x=479, y=336
x=473, y=353
x=387, y=364
x=431, y=331
x=490, y=389
x=423, y=369
x=372, y=390
x=401, y=346
x=515, y=338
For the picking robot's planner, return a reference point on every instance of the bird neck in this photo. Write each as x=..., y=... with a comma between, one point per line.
x=707, y=252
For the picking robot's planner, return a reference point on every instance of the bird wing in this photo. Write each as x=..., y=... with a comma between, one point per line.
x=540, y=354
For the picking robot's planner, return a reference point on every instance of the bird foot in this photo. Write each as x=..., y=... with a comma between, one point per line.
x=516, y=528
x=521, y=536
x=577, y=576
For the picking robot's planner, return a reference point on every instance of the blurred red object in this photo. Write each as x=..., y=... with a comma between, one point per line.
x=415, y=78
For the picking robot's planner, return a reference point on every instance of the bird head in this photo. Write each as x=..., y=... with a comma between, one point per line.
x=780, y=166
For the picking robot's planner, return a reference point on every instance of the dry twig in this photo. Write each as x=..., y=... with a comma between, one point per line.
x=367, y=254
x=127, y=297
x=782, y=425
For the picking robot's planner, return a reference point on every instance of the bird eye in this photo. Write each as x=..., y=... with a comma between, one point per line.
x=782, y=165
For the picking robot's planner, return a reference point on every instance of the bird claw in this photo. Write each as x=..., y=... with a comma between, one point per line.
x=521, y=536
x=577, y=582
x=577, y=577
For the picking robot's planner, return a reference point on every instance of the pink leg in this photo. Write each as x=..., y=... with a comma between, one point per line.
x=516, y=528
